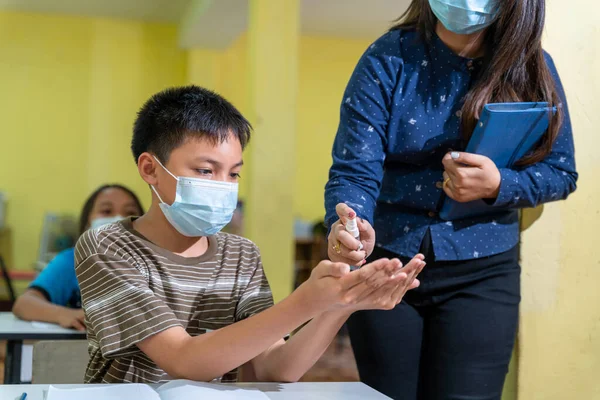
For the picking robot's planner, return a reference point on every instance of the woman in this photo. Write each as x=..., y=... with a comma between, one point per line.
x=415, y=95
x=54, y=295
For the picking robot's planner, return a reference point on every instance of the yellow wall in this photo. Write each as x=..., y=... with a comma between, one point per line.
x=325, y=65
x=226, y=73
x=559, y=336
x=273, y=37
x=325, y=68
x=72, y=85
x=70, y=90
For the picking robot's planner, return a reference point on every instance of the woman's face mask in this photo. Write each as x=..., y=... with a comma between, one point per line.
x=465, y=16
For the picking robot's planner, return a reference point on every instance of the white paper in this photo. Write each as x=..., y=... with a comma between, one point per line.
x=182, y=389
x=130, y=391
x=43, y=325
x=175, y=390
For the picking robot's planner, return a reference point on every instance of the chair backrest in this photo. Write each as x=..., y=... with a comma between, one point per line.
x=60, y=361
x=8, y=281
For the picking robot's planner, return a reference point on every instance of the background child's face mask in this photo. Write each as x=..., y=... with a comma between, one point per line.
x=98, y=222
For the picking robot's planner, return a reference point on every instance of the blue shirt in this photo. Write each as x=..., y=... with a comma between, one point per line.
x=58, y=281
x=399, y=116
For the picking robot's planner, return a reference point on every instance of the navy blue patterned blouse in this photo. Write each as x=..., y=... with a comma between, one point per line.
x=400, y=114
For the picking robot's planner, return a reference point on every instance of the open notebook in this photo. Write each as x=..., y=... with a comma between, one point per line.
x=174, y=390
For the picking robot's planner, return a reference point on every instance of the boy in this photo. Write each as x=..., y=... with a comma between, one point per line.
x=166, y=296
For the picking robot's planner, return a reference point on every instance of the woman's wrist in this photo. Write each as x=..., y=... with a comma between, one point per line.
x=494, y=187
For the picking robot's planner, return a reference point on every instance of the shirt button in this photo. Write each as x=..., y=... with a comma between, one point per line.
x=439, y=185
x=458, y=113
x=431, y=214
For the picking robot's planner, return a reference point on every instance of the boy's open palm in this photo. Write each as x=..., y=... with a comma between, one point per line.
x=378, y=285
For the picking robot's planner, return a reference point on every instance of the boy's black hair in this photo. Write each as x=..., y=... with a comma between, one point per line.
x=170, y=117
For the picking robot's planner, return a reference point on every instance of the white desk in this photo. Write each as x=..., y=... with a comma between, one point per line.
x=14, y=331
x=276, y=391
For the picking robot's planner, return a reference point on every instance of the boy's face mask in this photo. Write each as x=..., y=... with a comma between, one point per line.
x=201, y=207
x=465, y=16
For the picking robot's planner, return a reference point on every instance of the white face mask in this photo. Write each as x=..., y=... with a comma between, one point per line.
x=98, y=222
x=465, y=16
x=202, y=207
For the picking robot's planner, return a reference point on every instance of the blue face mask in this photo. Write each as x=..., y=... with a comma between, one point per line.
x=202, y=207
x=465, y=16
x=98, y=222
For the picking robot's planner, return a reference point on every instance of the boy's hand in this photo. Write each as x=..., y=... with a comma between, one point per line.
x=376, y=285
x=392, y=290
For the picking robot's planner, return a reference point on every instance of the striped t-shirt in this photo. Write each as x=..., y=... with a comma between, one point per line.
x=132, y=289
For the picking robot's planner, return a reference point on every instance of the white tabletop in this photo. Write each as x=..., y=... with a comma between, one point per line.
x=287, y=391
x=12, y=328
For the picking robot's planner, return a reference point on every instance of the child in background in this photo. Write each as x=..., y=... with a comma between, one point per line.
x=54, y=295
x=168, y=296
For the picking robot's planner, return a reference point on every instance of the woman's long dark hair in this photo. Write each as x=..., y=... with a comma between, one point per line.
x=514, y=67
x=88, y=206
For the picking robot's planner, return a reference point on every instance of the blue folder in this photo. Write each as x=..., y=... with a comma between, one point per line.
x=505, y=133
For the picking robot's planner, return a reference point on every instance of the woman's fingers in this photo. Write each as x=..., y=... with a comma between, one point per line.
x=345, y=238
x=344, y=212
x=448, y=186
x=347, y=247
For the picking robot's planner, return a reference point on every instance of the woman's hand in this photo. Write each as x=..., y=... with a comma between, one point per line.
x=342, y=247
x=469, y=177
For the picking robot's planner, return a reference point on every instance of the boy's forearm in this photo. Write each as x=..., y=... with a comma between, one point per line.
x=289, y=362
x=211, y=355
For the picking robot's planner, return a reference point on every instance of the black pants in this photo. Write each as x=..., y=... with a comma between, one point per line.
x=451, y=338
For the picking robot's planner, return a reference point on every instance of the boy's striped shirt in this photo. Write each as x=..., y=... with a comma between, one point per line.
x=132, y=289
